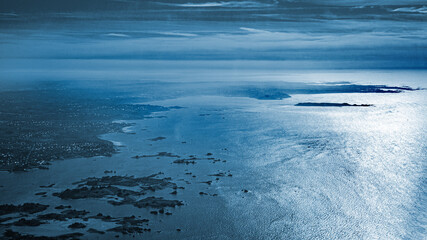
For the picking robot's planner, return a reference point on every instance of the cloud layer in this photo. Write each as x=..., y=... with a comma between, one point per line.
x=369, y=35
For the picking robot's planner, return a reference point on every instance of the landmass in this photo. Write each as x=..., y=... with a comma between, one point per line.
x=41, y=125
x=325, y=104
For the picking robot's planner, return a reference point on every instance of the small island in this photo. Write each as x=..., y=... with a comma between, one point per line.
x=323, y=104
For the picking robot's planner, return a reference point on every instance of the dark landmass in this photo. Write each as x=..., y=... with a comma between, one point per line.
x=323, y=104
x=145, y=183
x=112, y=187
x=24, y=208
x=221, y=174
x=59, y=122
x=348, y=88
x=129, y=225
x=122, y=222
x=279, y=91
x=28, y=222
x=160, y=154
x=157, y=202
x=64, y=215
x=11, y=235
x=185, y=161
x=261, y=93
x=125, y=225
x=62, y=207
x=157, y=139
x=193, y=159
x=77, y=225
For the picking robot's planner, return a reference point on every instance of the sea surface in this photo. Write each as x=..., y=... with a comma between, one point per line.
x=291, y=172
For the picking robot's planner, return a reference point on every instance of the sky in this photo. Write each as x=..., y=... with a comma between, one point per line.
x=332, y=34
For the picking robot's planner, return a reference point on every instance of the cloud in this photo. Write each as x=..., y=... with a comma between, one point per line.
x=253, y=30
x=125, y=1
x=353, y=3
x=10, y=15
x=225, y=4
x=411, y=10
x=120, y=35
x=178, y=34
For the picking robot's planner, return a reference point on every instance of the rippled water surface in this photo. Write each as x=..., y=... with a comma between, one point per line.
x=297, y=172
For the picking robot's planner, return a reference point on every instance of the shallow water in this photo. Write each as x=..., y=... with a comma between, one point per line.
x=309, y=172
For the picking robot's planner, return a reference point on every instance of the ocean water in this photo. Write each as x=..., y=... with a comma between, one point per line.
x=320, y=173
x=297, y=172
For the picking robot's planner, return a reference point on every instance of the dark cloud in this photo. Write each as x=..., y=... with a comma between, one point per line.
x=392, y=32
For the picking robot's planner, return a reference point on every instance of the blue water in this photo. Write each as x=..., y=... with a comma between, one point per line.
x=318, y=173
x=309, y=172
